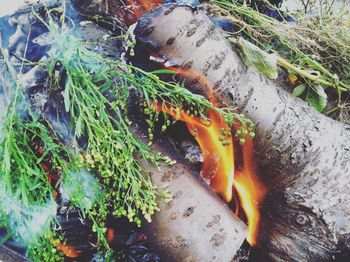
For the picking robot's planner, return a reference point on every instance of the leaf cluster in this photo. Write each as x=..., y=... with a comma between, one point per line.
x=316, y=48
x=96, y=92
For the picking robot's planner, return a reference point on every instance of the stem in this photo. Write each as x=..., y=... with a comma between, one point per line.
x=284, y=63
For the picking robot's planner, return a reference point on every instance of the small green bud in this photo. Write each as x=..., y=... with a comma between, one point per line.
x=241, y=141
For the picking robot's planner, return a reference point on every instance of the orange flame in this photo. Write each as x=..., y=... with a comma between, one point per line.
x=131, y=10
x=136, y=8
x=110, y=235
x=250, y=190
x=218, y=156
x=68, y=251
x=218, y=162
x=214, y=139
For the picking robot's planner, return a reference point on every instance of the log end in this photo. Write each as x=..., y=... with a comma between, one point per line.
x=196, y=225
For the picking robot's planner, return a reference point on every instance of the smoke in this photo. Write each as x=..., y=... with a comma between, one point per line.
x=3, y=94
x=27, y=223
x=2, y=104
x=82, y=187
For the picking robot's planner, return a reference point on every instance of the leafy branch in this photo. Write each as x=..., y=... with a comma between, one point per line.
x=96, y=92
x=316, y=50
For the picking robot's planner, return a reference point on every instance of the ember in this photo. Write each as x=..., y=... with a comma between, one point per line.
x=68, y=250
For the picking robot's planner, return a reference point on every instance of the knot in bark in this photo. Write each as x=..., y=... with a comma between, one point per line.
x=302, y=220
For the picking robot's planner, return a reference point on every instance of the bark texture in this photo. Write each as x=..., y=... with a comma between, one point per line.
x=196, y=226
x=303, y=155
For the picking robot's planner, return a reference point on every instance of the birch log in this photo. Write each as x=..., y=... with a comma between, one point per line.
x=303, y=154
x=196, y=226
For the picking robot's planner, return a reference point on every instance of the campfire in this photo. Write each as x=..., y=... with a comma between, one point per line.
x=216, y=140
x=99, y=98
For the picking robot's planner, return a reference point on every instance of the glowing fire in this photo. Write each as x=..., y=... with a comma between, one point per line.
x=131, y=10
x=218, y=163
x=250, y=190
x=214, y=139
x=217, y=145
x=67, y=250
x=136, y=8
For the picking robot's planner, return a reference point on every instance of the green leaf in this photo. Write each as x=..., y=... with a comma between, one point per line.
x=162, y=71
x=317, y=98
x=79, y=128
x=51, y=66
x=314, y=64
x=66, y=95
x=67, y=53
x=253, y=56
x=299, y=90
x=7, y=158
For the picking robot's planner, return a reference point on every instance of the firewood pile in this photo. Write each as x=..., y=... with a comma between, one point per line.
x=153, y=131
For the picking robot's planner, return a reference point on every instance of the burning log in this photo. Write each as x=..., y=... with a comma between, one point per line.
x=195, y=221
x=303, y=154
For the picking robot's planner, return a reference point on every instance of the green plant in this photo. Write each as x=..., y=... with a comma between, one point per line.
x=27, y=197
x=96, y=92
x=316, y=49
